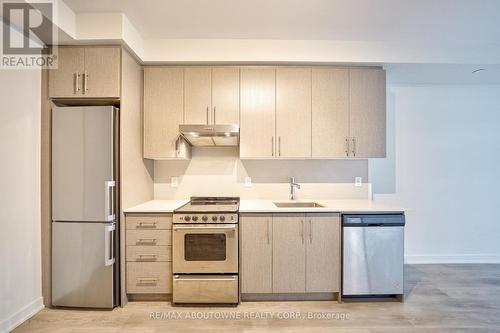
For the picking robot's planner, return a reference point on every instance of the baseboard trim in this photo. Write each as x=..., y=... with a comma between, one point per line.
x=22, y=315
x=453, y=259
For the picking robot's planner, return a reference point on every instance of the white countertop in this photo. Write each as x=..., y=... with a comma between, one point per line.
x=157, y=206
x=267, y=206
x=341, y=206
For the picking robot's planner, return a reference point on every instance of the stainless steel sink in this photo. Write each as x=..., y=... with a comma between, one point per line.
x=297, y=204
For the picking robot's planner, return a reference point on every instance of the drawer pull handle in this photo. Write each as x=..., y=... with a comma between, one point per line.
x=147, y=257
x=146, y=225
x=148, y=241
x=147, y=281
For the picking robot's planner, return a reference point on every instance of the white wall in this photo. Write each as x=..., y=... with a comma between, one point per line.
x=20, y=258
x=443, y=165
x=219, y=171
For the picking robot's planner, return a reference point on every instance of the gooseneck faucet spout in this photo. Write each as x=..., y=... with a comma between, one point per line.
x=293, y=185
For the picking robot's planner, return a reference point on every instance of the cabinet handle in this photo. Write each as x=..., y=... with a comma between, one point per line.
x=85, y=82
x=77, y=82
x=272, y=145
x=347, y=147
x=207, y=114
x=354, y=146
x=214, y=116
x=302, y=230
x=147, y=257
x=147, y=281
x=146, y=241
x=145, y=225
x=310, y=232
x=279, y=146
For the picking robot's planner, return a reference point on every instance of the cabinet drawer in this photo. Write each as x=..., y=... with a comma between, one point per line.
x=149, y=277
x=149, y=222
x=149, y=237
x=149, y=253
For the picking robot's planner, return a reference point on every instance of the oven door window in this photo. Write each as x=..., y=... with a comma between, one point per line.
x=205, y=247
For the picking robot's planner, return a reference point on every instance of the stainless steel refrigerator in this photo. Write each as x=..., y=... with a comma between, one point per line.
x=84, y=219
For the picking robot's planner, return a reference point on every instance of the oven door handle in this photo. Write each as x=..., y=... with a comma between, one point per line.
x=203, y=228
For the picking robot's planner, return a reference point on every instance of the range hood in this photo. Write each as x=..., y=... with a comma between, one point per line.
x=211, y=135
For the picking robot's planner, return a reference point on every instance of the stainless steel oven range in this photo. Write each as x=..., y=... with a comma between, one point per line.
x=205, y=251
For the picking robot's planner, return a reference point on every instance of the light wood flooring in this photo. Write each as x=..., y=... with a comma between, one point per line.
x=439, y=298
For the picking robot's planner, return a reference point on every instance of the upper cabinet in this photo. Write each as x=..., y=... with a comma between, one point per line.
x=258, y=106
x=293, y=112
x=198, y=95
x=163, y=111
x=211, y=95
x=330, y=112
x=367, y=113
x=89, y=72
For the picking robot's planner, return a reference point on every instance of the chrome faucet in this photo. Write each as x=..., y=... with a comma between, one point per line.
x=293, y=185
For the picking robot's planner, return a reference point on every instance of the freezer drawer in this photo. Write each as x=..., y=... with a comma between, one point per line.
x=82, y=264
x=373, y=260
x=222, y=289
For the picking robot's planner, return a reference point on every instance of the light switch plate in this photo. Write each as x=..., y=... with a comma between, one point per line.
x=358, y=181
x=174, y=181
x=248, y=181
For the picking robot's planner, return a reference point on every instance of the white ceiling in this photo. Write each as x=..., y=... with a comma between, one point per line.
x=381, y=20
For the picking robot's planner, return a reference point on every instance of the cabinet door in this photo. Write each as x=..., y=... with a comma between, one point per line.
x=197, y=95
x=103, y=67
x=256, y=254
x=163, y=109
x=66, y=80
x=257, y=124
x=293, y=112
x=330, y=112
x=225, y=95
x=323, y=253
x=289, y=255
x=367, y=115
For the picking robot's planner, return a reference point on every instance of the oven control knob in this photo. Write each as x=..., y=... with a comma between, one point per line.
x=195, y=218
x=204, y=218
x=222, y=218
x=214, y=218
x=187, y=218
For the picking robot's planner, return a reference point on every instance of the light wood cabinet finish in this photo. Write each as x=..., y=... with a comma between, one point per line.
x=66, y=80
x=225, y=95
x=367, y=112
x=149, y=237
x=86, y=72
x=289, y=255
x=256, y=246
x=149, y=277
x=330, y=112
x=149, y=253
x=257, y=125
x=323, y=252
x=102, y=67
x=149, y=222
x=197, y=95
x=163, y=110
x=293, y=112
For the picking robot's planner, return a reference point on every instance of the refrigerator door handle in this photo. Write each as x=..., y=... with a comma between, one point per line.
x=109, y=237
x=110, y=199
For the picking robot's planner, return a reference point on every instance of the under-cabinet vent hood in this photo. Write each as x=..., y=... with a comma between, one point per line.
x=211, y=135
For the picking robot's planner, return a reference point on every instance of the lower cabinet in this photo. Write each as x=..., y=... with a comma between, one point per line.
x=290, y=253
x=148, y=254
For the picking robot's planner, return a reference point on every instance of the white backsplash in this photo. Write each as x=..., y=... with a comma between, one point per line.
x=219, y=172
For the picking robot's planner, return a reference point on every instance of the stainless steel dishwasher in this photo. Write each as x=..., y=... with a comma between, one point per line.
x=373, y=254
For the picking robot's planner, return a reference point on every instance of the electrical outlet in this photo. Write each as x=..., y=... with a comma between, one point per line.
x=248, y=181
x=174, y=181
x=358, y=181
